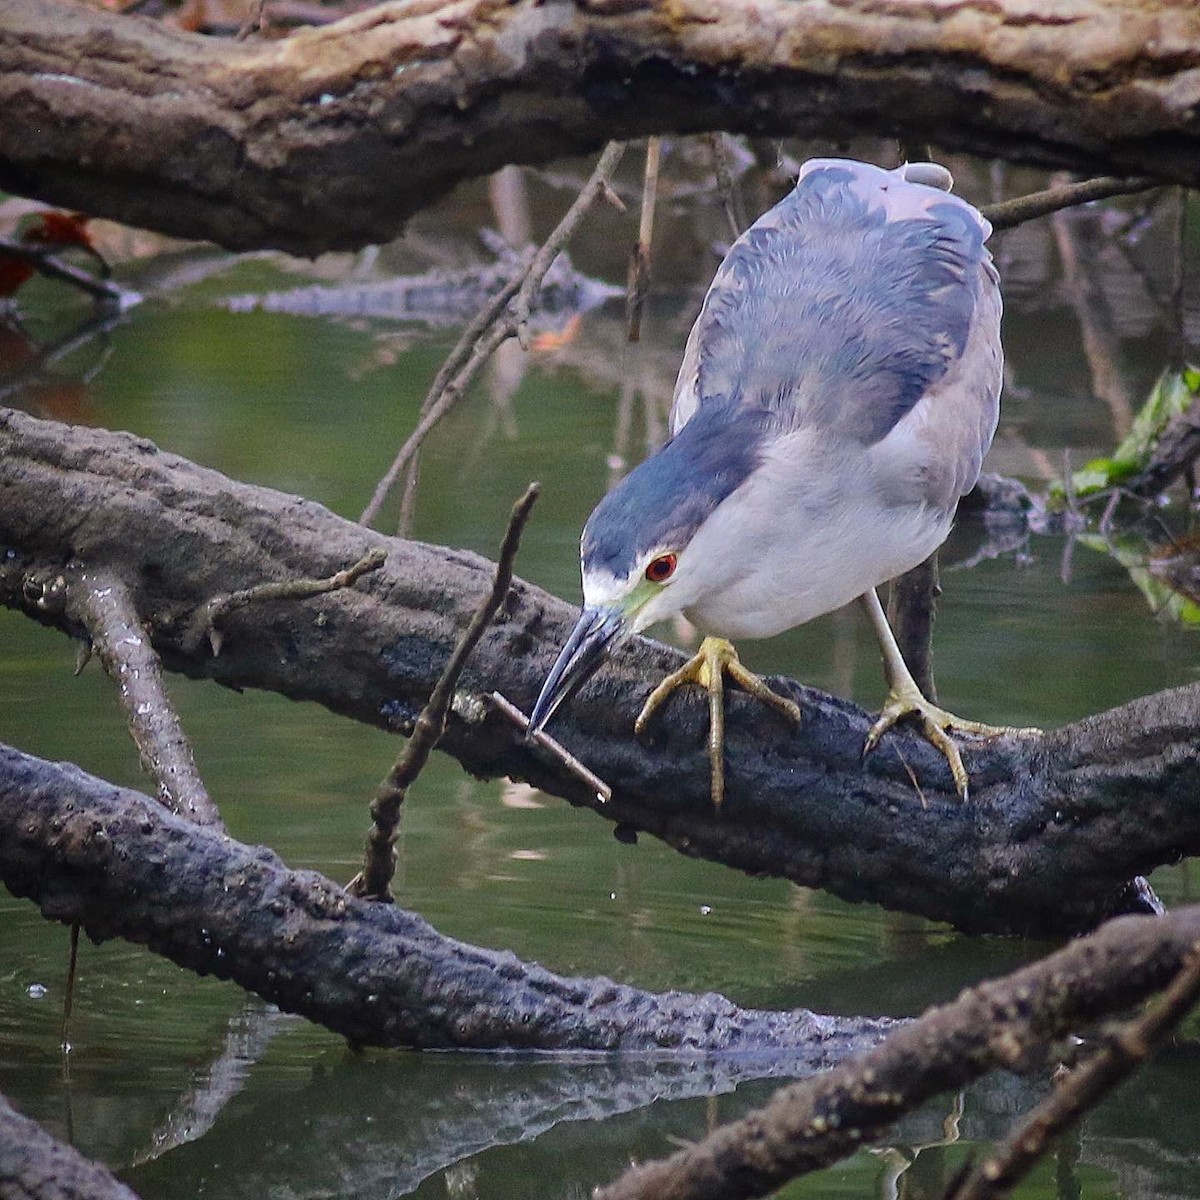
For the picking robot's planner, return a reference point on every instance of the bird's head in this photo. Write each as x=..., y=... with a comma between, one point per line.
x=638, y=563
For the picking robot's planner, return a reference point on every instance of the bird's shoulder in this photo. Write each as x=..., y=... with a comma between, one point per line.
x=845, y=304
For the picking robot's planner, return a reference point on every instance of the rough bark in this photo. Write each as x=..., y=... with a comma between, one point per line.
x=120, y=865
x=333, y=136
x=1056, y=830
x=34, y=1166
x=815, y=1122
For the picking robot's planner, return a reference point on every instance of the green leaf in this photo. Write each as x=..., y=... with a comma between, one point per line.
x=1170, y=396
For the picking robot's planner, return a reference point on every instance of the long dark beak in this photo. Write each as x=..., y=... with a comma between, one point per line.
x=593, y=637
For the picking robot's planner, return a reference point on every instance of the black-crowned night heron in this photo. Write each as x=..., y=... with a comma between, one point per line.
x=837, y=395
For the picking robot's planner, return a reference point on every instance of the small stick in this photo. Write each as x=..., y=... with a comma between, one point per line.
x=1008, y=213
x=1121, y=1053
x=505, y=315
x=209, y=615
x=730, y=199
x=379, y=856
x=43, y=259
x=521, y=721
x=69, y=990
x=107, y=611
x=459, y=355
x=639, y=261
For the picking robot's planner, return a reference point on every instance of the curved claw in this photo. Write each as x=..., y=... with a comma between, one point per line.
x=935, y=724
x=715, y=658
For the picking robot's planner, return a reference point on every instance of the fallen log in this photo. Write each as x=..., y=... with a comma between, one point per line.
x=120, y=865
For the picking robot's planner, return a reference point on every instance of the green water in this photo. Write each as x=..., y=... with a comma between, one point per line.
x=312, y=407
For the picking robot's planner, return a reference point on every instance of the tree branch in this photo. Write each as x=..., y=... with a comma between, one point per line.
x=379, y=860
x=1057, y=829
x=1000, y=1023
x=502, y=317
x=1120, y=1053
x=332, y=137
x=122, y=866
x=101, y=603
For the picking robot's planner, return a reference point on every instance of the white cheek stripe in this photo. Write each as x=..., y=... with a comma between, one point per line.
x=603, y=588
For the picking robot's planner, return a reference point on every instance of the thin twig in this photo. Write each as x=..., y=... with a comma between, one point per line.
x=107, y=611
x=506, y=315
x=379, y=858
x=731, y=200
x=45, y=261
x=587, y=776
x=1008, y=213
x=1122, y=1052
x=456, y=361
x=69, y=990
x=209, y=616
x=639, y=261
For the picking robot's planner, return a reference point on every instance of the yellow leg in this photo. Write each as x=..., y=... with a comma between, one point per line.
x=715, y=659
x=905, y=699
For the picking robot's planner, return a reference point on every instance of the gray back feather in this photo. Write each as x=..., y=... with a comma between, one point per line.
x=843, y=305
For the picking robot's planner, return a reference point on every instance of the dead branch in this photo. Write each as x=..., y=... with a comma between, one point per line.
x=100, y=601
x=998, y=1024
x=332, y=137
x=379, y=862
x=1058, y=829
x=1175, y=452
x=911, y=609
x=638, y=281
x=1120, y=1053
x=1009, y=213
x=123, y=866
x=208, y=618
x=505, y=316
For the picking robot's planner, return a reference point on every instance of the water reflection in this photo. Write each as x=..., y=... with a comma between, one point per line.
x=319, y=407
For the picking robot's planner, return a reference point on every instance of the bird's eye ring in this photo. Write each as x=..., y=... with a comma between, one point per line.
x=660, y=569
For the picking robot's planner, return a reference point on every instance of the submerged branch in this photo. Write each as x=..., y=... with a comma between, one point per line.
x=1057, y=831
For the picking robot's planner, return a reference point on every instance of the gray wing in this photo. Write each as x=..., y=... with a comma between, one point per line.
x=857, y=295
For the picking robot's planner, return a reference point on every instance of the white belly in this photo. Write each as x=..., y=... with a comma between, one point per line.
x=801, y=543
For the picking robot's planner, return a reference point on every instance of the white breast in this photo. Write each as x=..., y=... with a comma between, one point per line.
x=810, y=531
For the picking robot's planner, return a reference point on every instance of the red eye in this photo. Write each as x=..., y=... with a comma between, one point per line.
x=660, y=569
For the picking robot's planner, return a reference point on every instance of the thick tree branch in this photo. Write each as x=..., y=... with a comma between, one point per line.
x=116, y=863
x=333, y=136
x=1056, y=831
x=1000, y=1023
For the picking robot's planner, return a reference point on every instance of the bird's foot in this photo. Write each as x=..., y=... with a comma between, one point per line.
x=715, y=659
x=935, y=724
